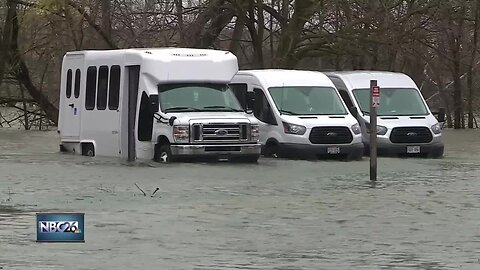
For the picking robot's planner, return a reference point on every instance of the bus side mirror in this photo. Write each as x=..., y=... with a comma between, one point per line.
x=171, y=120
x=441, y=115
x=154, y=103
x=250, y=102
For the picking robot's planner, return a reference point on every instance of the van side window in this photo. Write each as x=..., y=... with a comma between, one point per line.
x=240, y=91
x=145, y=119
x=114, y=88
x=69, y=84
x=76, y=91
x=262, y=110
x=102, y=88
x=91, y=88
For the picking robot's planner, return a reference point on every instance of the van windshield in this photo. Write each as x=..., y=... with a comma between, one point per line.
x=307, y=100
x=197, y=97
x=393, y=101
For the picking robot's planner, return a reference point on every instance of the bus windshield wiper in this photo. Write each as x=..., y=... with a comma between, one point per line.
x=173, y=109
x=288, y=112
x=223, y=107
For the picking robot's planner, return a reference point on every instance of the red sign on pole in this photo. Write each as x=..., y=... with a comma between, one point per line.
x=375, y=96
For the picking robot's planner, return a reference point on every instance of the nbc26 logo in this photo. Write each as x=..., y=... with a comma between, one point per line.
x=59, y=226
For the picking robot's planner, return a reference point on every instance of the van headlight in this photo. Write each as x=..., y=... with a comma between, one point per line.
x=294, y=129
x=356, y=129
x=181, y=134
x=254, y=133
x=436, y=129
x=381, y=130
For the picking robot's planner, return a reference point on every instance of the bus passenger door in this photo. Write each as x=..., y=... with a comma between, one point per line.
x=74, y=94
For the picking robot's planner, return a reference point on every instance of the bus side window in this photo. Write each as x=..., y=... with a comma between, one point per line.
x=69, y=84
x=102, y=88
x=76, y=91
x=114, y=88
x=91, y=88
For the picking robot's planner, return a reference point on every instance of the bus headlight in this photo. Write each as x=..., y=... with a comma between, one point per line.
x=356, y=129
x=181, y=134
x=294, y=129
x=254, y=133
x=436, y=129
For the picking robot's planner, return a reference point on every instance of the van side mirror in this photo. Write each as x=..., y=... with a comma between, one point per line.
x=154, y=103
x=442, y=115
x=354, y=111
x=271, y=117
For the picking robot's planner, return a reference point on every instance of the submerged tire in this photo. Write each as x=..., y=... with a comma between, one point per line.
x=163, y=153
x=88, y=150
x=271, y=150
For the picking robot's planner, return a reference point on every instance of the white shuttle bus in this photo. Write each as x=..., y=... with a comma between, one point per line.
x=300, y=113
x=406, y=126
x=164, y=104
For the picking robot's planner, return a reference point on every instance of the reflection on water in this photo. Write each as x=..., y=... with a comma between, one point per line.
x=279, y=214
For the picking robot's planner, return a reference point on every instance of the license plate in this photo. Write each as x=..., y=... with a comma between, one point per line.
x=333, y=150
x=413, y=149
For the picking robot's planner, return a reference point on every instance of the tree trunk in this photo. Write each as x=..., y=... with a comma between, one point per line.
x=5, y=42
x=290, y=37
x=107, y=19
x=20, y=69
x=456, y=47
x=237, y=33
x=471, y=65
x=179, y=14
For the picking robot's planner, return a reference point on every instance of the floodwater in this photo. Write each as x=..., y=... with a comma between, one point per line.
x=279, y=214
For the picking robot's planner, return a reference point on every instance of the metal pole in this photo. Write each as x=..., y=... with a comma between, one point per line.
x=373, y=131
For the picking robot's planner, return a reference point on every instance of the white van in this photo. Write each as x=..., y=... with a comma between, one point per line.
x=301, y=114
x=154, y=103
x=406, y=126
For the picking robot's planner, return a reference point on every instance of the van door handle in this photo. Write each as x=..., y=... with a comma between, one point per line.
x=71, y=105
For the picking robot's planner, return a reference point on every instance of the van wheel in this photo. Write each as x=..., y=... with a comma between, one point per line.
x=88, y=150
x=271, y=150
x=163, y=153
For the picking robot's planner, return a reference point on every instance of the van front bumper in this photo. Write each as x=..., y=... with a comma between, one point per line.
x=215, y=150
x=349, y=151
x=433, y=150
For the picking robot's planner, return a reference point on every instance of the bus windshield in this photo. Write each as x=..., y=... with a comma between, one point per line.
x=198, y=97
x=393, y=101
x=307, y=100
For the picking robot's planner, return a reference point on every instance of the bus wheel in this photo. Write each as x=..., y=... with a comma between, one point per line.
x=163, y=153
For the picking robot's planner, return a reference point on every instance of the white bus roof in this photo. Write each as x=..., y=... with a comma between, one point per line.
x=282, y=77
x=361, y=79
x=169, y=64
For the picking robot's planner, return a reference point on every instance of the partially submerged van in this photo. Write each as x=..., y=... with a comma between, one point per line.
x=154, y=103
x=406, y=126
x=300, y=114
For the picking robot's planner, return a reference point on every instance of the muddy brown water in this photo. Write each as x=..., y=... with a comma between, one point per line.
x=279, y=214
